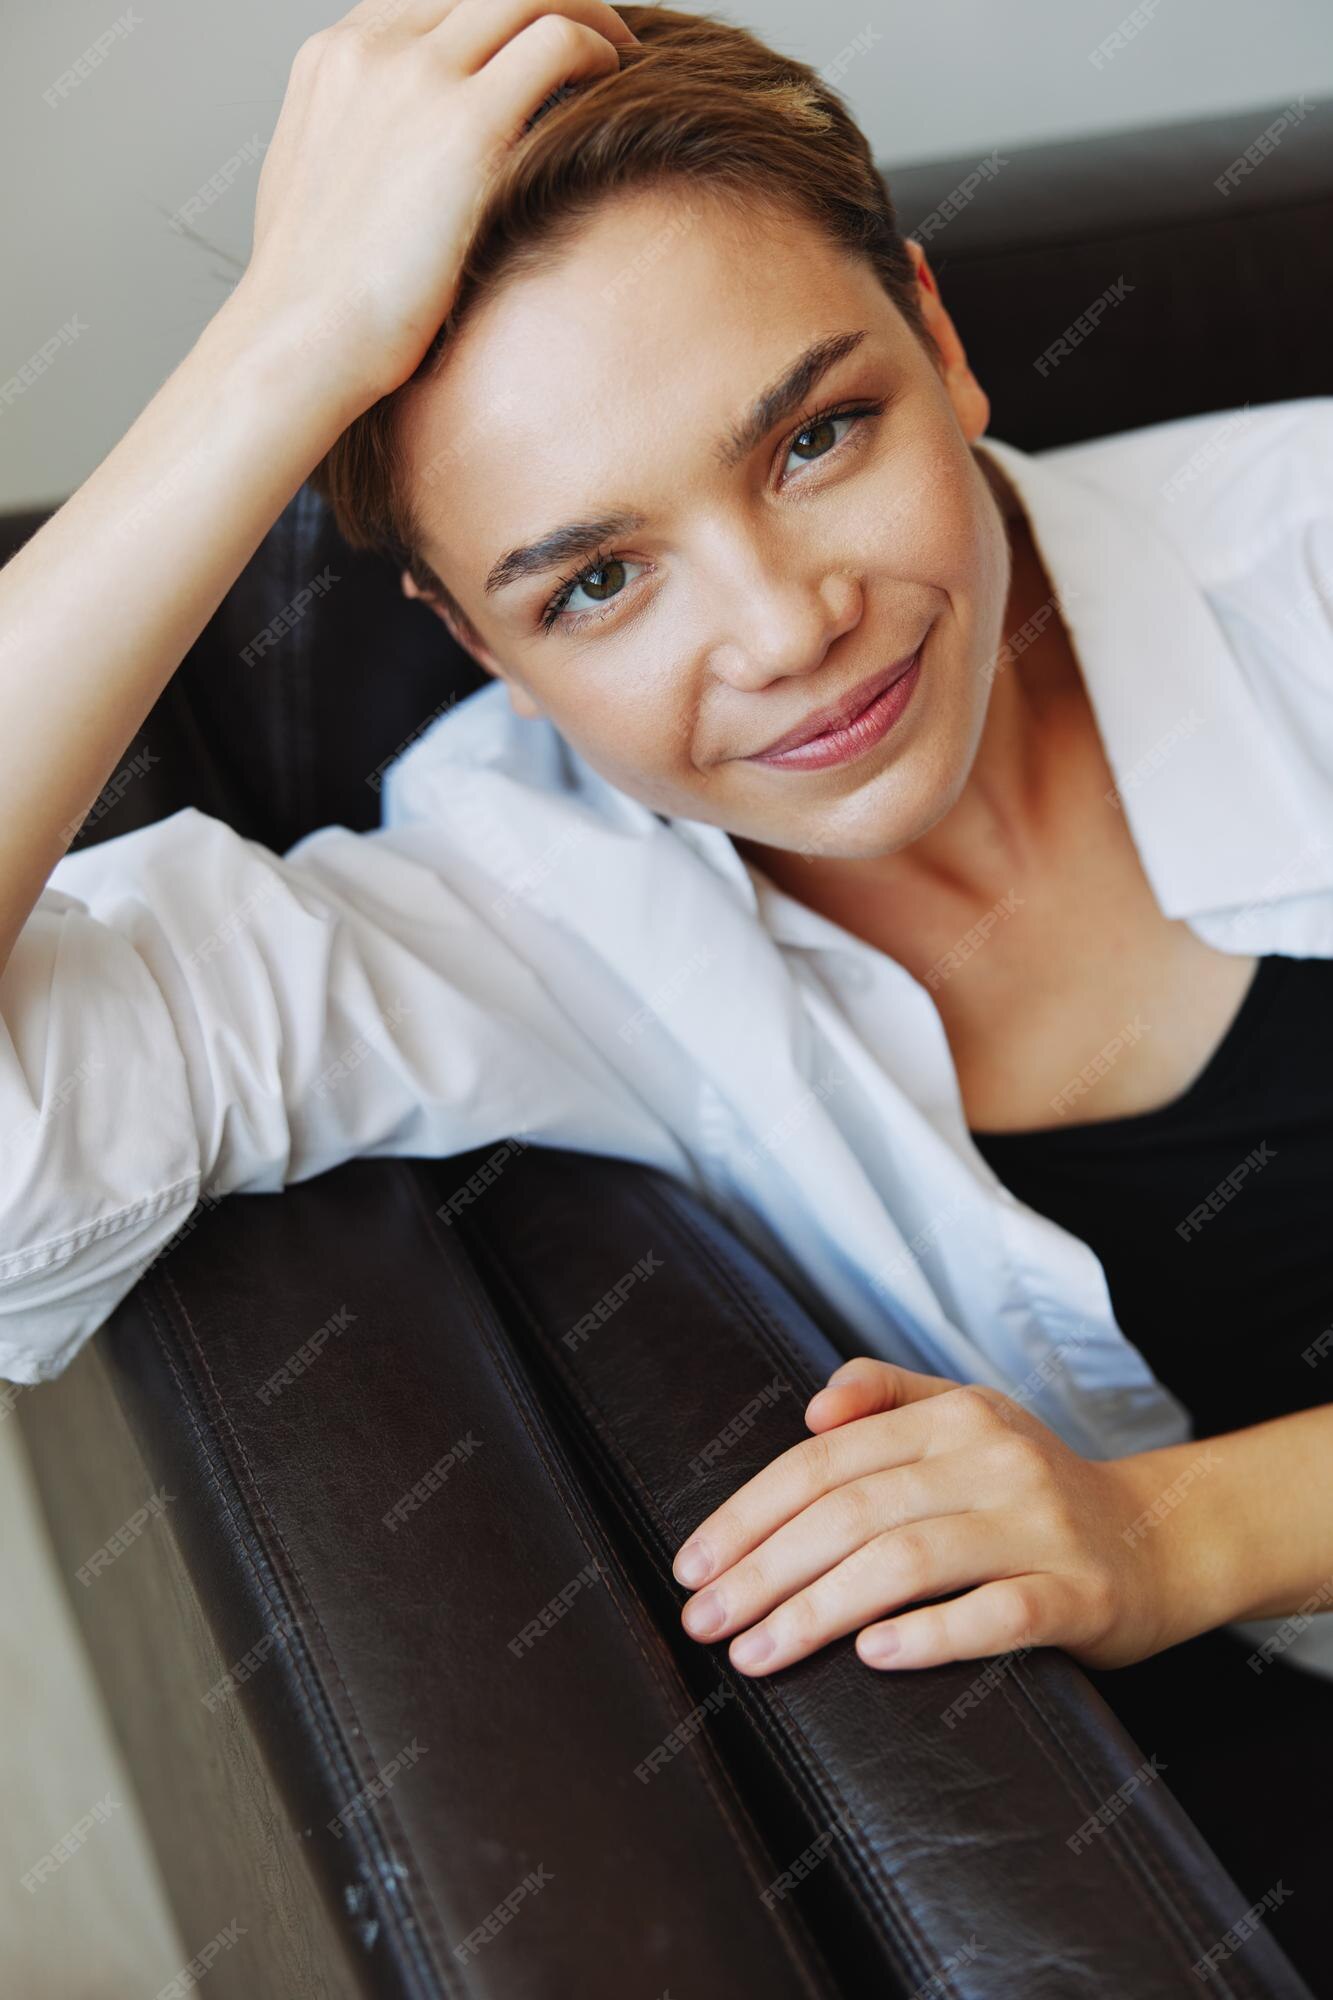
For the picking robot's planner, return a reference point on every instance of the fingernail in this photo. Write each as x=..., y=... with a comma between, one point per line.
x=750, y=1649
x=692, y=1565
x=704, y=1615
x=878, y=1651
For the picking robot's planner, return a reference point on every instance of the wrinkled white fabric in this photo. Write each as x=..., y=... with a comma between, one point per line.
x=522, y=949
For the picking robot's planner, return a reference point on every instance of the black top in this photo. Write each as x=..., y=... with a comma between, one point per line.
x=1213, y=1216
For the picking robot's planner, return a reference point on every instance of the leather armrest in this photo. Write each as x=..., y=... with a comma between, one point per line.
x=962, y=1800
x=395, y=1649
x=324, y=1646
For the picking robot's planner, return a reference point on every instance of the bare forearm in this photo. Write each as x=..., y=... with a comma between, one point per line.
x=100, y=606
x=1248, y=1517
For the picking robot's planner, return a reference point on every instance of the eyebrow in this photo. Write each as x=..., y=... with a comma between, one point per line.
x=781, y=399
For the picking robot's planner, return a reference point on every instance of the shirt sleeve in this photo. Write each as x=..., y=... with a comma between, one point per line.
x=187, y=1014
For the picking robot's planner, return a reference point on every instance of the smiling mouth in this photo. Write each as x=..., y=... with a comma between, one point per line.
x=864, y=715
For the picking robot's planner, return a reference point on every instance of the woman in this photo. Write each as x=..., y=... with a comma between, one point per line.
x=796, y=847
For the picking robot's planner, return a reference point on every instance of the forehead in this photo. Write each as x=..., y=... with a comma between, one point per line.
x=598, y=379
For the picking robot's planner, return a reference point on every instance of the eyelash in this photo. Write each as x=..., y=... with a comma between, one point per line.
x=554, y=613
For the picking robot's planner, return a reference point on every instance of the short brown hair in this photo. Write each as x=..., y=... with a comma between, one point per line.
x=704, y=106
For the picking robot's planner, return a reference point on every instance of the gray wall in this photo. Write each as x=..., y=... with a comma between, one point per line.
x=97, y=277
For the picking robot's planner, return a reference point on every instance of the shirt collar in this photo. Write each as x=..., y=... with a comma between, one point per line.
x=784, y=916
x=1199, y=768
x=1199, y=771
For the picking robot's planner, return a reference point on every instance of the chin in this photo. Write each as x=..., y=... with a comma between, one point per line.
x=893, y=810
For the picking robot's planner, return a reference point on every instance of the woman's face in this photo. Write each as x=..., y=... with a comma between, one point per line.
x=769, y=556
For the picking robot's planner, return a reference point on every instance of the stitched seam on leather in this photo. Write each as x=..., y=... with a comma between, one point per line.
x=1136, y=1836
x=652, y=1554
x=1121, y=1860
x=819, y=1780
x=755, y=1703
x=736, y=1281
x=414, y=1935
x=703, y=1754
x=765, y=1336
x=715, y=1765
x=1202, y=1920
x=1154, y=1905
x=1161, y=1905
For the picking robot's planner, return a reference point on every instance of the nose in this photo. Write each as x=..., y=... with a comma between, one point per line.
x=781, y=622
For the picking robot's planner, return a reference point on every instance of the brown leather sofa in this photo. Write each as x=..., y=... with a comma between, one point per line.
x=395, y=1656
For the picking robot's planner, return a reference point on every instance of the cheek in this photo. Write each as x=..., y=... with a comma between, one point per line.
x=943, y=522
x=631, y=719
x=956, y=545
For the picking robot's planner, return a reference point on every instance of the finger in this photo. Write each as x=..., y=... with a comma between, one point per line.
x=373, y=18
x=477, y=30
x=475, y=27
x=824, y=1534
x=863, y=1386
x=791, y=1482
x=1005, y=1615
x=947, y=1553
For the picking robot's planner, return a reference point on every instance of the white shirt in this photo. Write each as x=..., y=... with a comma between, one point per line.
x=523, y=950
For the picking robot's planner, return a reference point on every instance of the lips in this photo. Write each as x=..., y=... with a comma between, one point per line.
x=838, y=714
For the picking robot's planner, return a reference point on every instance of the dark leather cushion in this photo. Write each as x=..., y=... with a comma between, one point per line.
x=1226, y=292
x=439, y=1530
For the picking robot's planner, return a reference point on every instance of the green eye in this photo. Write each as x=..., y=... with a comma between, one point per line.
x=603, y=573
x=606, y=571
x=821, y=420
x=812, y=430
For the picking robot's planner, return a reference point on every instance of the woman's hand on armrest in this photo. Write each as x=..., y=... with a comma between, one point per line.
x=943, y=1521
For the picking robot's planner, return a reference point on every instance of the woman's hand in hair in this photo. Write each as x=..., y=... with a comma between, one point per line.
x=393, y=122
x=915, y=1488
